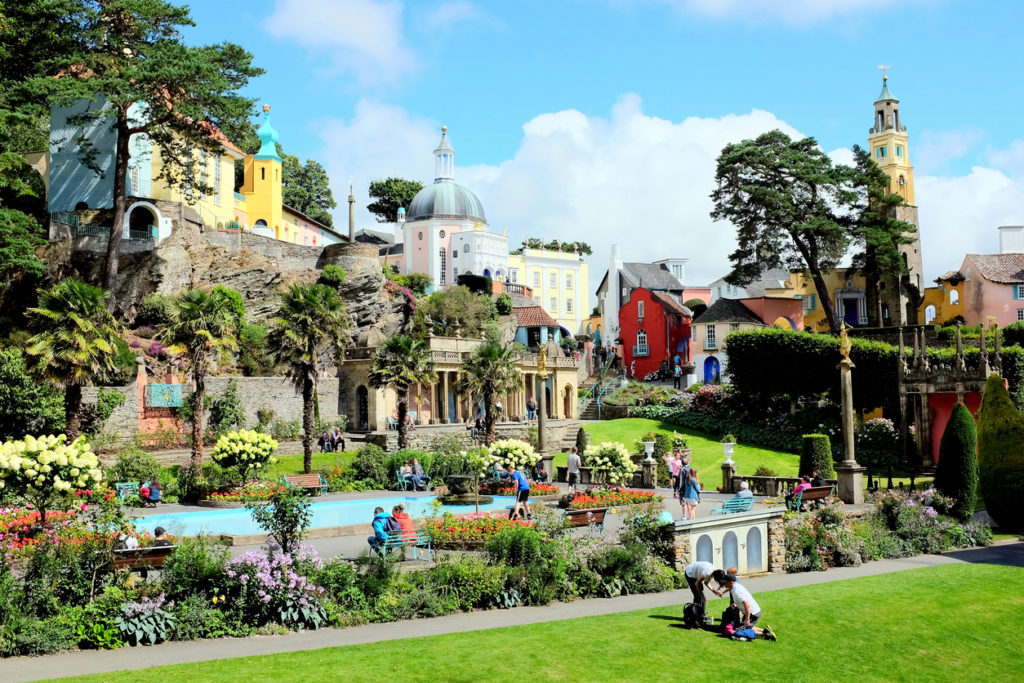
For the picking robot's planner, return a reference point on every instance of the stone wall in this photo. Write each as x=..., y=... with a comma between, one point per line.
x=423, y=436
x=713, y=533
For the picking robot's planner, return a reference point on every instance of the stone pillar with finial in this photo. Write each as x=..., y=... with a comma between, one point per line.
x=351, y=214
x=850, y=474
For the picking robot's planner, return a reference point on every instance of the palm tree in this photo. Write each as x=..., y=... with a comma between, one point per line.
x=490, y=371
x=75, y=341
x=401, y=362
x=310, y=320
x=200, y=323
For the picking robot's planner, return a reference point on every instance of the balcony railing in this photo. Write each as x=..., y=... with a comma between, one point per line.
x=103, y=231
x=710, y=344
x=641, y=351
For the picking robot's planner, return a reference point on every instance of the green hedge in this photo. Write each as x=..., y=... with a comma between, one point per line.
x=1001, y=456
x=816, y=454
x=744, y=433
x=957, y=473
x=766, y=363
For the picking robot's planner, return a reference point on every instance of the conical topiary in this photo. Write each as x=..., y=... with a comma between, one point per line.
x=582, y=440
x=957, y=473
x=1001, y=455
x=817, y=455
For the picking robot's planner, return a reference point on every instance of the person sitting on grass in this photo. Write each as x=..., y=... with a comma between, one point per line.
x=380, y=532
x=742, y=598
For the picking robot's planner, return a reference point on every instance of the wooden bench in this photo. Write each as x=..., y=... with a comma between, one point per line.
x=814, y=493
x=735, y=505
x=417, y=540
x=593, y=517
x=150, y=557
x=312, y=481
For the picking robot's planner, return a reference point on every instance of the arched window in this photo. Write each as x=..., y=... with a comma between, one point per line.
x=641, y=338
x=929, y=315
x=954, y=297
x=705, y=549
x=442, y=278
x=755, y=556
x=730, y=550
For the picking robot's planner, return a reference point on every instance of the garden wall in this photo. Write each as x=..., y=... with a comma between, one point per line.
x=422, y=437
x=753, y=542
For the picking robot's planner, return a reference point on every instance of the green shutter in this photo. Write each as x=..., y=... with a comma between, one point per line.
x=814, y=301
x=1016, y=292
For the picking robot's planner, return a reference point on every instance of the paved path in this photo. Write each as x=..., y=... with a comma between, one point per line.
x=91, y=661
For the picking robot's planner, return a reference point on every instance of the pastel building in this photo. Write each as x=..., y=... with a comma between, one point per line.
x=437, y=214
x=559, y=281
x=206, y=197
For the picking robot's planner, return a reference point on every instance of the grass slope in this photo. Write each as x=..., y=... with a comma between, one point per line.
x=946, y=623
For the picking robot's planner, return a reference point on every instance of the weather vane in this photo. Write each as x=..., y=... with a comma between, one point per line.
x=885, y=68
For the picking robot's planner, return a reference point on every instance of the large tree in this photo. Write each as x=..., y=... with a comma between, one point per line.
x=389, y=195
x=402, y=362
x=310, y=320
x=453, y=305
x=75, y=342
x=200, y=324
x=792, y=208
x=490, y=372
x=133, y=61
x=306, y=187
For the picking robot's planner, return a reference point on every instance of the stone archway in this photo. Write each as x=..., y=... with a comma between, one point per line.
x=142, y=221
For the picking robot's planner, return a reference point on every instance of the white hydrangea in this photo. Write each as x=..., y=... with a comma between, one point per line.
x=613, y=458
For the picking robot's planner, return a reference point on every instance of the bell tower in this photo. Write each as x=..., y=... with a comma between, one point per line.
x=262, y=184
x=895, y=302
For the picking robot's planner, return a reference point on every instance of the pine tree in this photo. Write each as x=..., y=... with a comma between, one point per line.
x=957, y=472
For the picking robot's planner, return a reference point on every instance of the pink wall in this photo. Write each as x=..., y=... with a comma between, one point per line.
x=983, y=298
x=942, y=409
x=769, y=308
x=702, y=293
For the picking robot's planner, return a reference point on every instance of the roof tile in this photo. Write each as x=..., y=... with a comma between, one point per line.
x=533, y=316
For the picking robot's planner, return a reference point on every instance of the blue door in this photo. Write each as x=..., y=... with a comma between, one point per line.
x=851, y=315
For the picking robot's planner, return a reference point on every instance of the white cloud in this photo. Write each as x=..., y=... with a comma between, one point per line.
x=363, y=37
x=933, y=150
x=447, y=14
x=797, y=12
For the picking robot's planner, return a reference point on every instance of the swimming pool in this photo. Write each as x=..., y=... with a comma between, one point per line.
x=238, y=522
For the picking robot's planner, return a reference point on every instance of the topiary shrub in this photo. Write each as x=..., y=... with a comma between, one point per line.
x=957, y=473
x=1001, y=455
x=582, y=441
x=135, y=464
x=371, y=463
x=816, y=454
x=503, y=304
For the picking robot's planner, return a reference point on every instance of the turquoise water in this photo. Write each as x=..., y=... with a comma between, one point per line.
x=237, y=522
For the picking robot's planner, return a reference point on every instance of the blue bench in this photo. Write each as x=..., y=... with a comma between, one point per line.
x=735, y=505
x=417, y=540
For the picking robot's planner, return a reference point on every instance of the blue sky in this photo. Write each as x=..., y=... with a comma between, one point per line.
x=600, y=119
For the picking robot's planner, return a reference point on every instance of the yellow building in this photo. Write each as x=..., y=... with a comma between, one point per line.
x=847, y=293
x=560, y=283
x=943, y=303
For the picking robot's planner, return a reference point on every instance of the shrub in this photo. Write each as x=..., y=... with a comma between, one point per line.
x=817, y=455
x=957, y=473
x=267, y=588
x=226, y=410
x=286, y=516
x=514, y=452
x=252, y=351
x=153, y=311
x=582, y=441
x=332, y=276
x=878, y=445
x=1001, y=455
x=371, y=463
x=196, y=618
x=146, y=622
x=471, y=581
x=196, y=565
x=27, y=406
x=45, y=470
x=31, y=636
x=135, y=464
x=245, y=450
x=514, y=547
x=503, y=304
x=613, y=460
x=95, y=415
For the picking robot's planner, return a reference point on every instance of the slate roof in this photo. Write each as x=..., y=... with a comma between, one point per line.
x=728, y=311
x=533, y=316
x=374, y=237
x=650, y=276
x=671, y=304
x=1004, y=268
x=391, y=249
x=771, y=278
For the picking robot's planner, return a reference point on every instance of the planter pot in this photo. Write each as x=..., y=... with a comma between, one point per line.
x=727, y=449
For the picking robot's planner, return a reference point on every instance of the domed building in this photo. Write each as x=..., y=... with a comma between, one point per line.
x=445, y=232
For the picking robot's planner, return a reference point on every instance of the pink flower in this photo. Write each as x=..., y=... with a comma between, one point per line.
x=83, y=506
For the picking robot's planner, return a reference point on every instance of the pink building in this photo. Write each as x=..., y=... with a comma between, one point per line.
x=993, y=287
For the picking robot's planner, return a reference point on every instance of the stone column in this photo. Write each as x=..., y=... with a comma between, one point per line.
x=649, y=473
x=542, y=419
x=728, y=472
x=850, y=474
x=443, y=412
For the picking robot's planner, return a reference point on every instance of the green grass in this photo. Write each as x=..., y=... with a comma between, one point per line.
x=945, y=623
x=707, y=451
x=292, y=464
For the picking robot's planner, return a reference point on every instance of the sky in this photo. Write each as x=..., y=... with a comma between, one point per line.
x=601, y=120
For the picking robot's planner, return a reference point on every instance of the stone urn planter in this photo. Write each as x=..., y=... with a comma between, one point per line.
x=462, y=490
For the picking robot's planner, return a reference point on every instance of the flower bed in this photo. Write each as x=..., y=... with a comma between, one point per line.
x=504, y=489
x=254, y=490
x=601, y=498
x=20, y=531
x=470, y=530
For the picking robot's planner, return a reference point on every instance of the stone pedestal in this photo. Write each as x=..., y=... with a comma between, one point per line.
x=547, y=463
x=649, y=472
x=728, y=472
x=851, y=482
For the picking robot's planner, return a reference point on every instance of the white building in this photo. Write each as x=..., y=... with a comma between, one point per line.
x=478, y=252
x=559, y=280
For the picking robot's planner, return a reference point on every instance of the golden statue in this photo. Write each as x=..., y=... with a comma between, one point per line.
x=542, y=361
x=844, y=342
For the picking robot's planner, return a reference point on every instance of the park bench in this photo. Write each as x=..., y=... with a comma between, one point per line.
x=392, y=423
x=150, y=557
x=406, y=484
x=595, y=517
x=417, y=540
x=815, y=493
x=312, y=481
x=735, y=505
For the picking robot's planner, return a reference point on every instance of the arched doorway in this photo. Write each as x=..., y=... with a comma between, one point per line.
x=363, y=409
x=755, y=558
x=548, y=405
x=730, y=550
x=141, y=221
x=705, y=549
x=487, y=272
x=567, y=402
x=712, y=371
x=929, y=315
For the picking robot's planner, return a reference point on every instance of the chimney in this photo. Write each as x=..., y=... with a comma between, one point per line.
x=1011, y=239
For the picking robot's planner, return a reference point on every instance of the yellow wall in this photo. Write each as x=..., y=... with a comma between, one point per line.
x=894, y=163
x=800, y=285
x=262, y=190
x=537, y=276
x=940, y=297
x=214, y=210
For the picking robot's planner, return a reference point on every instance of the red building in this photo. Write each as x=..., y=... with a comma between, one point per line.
x=653, y=327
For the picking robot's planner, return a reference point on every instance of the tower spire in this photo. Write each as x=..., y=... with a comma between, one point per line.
x=444, y=159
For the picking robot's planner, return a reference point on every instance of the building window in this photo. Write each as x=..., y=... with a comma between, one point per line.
x=455, y=272
x=954, y=297
x=899, y=150
x=553, y=280
x=133, y=176
x=216, y=180
x=536, y=300
x=513, y=275
x=641, y=338
x=443, y=275
x=568, y=280
x=554, y=305
x=711, y=334
x=677, y=271
x=465, y=248
x=536, y=278
x=880, y=152
x=734, y=326
x=568, y=305
x=719, y=291
x=640, y=310
x=1020, y=314
x=203, y=173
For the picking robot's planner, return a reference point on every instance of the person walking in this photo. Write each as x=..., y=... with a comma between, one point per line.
x=675, y=463
x=691, y=494
x=521, y=485
x=677, y=377
x=574, y=463
x=751, y=611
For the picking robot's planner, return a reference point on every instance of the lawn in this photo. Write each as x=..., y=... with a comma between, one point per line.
x=707, y=451
x=292, y=464
x=946, y=623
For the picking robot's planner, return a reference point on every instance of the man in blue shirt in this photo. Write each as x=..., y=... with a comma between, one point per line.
x=522, y=488
x=380, y=533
